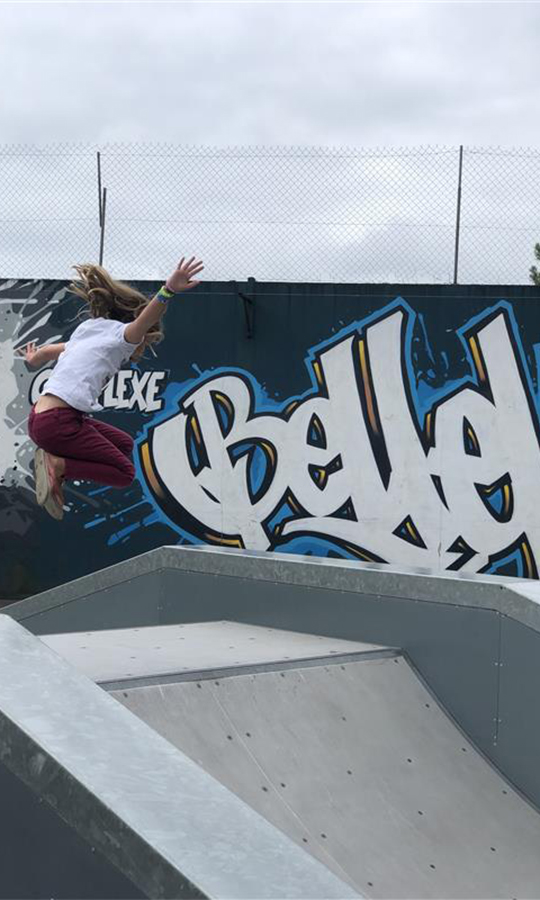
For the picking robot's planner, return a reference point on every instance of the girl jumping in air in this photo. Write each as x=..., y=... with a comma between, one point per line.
x=121, y=324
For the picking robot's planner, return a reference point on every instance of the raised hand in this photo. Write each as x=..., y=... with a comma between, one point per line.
x=181, y=278
x=30, y=352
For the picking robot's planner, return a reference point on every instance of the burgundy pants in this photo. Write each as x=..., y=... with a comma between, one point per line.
x=93, y=450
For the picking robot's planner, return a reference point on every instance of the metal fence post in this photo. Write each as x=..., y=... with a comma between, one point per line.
x=102, y=237
x=99, y=187
x=458, y=216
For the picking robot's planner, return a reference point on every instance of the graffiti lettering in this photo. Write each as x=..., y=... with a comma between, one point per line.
x=357, y=463
x=129, y=389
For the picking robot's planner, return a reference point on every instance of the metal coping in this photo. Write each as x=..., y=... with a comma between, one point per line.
x=248, y=669
x=514, y=597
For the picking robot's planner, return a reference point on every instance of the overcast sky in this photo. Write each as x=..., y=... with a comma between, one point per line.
x=281, y=73
x=273, y=73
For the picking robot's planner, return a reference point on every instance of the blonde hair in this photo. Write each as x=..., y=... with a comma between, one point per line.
x=110, y=299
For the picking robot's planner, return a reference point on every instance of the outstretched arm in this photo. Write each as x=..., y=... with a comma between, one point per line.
x=180, y=280
x=37, y=357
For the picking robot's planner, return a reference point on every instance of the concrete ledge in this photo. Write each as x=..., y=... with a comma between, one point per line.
x=512, y=597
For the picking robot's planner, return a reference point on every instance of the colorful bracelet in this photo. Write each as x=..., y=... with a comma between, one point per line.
x=164, y=294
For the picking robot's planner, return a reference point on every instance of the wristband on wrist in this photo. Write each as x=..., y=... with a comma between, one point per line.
x=164, y=294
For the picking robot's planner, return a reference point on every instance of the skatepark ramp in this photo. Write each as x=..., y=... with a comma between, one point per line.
x=219, y=724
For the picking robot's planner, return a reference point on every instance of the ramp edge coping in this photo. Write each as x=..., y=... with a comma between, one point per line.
x=211, y=674
x=514, y=597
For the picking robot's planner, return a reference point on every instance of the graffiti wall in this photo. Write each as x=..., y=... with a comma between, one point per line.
x=371, y=422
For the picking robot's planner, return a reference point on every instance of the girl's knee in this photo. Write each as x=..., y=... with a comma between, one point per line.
x=127, y=446
x=127, y=475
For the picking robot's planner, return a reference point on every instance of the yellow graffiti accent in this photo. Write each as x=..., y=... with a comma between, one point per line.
x=317, y=425
x=293, y=504
x=528, y=561
x=195, y=426
x=507, y=498
x=471, y=434
x=226, y=402
x=292, y=406
x=507, y=495
x=429, y=427
x=270, y=450
x=318, y=373
x=477, y=357
x=411, y=530
x=361, y=554
x=149, y=470
x=367, y=386
x=226, y=542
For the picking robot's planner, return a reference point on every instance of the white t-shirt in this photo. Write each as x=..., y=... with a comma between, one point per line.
x=94, y=353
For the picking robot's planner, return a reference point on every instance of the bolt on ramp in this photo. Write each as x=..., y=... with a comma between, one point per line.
x=338, y=744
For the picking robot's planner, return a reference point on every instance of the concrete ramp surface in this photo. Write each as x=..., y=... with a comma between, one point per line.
x=356, y=762
x=230, y=724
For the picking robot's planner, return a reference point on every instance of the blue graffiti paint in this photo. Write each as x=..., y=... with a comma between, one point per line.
x=224, y=417
x=496, y=500
x=282, y=514
x=307, y=545
x=127, y=509
x=114, y=538
x=512, y=565
x=257, y=464
x=95, y=522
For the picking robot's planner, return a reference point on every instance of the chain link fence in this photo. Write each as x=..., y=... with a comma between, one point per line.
x=424, y=215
